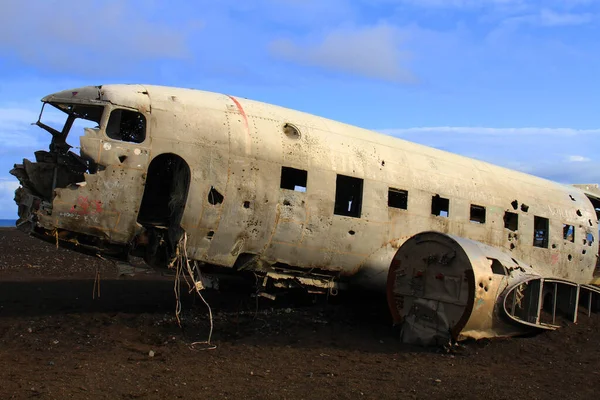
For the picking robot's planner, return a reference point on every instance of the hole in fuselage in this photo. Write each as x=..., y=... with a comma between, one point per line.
x=214, y=197
x=511, y=221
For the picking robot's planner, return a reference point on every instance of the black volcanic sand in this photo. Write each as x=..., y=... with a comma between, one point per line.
x=58, y=342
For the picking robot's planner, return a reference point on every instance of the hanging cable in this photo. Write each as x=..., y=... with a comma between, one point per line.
x=182, y=261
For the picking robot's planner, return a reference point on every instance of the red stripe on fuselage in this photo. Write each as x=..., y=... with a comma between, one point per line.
x=241, y=110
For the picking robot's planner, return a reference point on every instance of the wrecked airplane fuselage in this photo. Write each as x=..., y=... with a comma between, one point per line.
x=300, y=200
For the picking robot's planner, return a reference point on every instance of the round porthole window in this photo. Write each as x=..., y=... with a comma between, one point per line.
x=291, y=131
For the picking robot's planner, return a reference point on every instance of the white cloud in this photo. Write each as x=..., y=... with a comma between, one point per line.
x=461, y=3
x=505, y=5
x=564, y=155
x=460, y=130
x=373, y=52
x=8, y=208
x=568, y=173
x=87, y=37
x=16, y=129
x=576, y=3
x=549, y=18
x=292, y=12
x=17, y=119
x=8, y=184
x=13, y=116
x=552, y=18
x=578, y=159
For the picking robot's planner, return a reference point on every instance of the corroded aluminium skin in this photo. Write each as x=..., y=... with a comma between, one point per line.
x=238, y=146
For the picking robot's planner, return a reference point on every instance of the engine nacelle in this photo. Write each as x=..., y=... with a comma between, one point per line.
x=443, y=287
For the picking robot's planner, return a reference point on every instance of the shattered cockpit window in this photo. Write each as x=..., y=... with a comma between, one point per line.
x=125, y=125
x=58, y=167
x=90, y=113
x=67, y=121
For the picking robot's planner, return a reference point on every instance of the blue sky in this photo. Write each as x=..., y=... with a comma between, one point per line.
x=512, y=82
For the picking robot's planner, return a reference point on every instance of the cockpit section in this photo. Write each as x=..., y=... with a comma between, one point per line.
x=59, y=166
x=99, y=147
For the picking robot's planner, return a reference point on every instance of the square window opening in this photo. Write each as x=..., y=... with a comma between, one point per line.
x=293, y=179
x=126, y=125
x=397, y=198
x=440, y=206
x=348, y=196
x=569, y=233
x=540, y=232
x=511, y=221
x=478, y=214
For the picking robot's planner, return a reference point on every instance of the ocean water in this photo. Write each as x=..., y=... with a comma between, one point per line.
x=7, y=222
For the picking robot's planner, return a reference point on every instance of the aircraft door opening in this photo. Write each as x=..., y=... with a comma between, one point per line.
x=166, y=191
x=162, y=207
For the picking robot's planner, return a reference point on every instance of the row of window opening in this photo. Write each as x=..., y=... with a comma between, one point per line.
x=349, y=193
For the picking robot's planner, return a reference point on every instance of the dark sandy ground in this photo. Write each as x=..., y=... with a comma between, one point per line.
x=57, y=342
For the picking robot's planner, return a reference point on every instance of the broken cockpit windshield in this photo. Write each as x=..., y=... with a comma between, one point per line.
x=59, y=167
x=68, y=121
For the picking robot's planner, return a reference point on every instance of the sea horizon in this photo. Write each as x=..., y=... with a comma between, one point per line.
x=7, y=223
